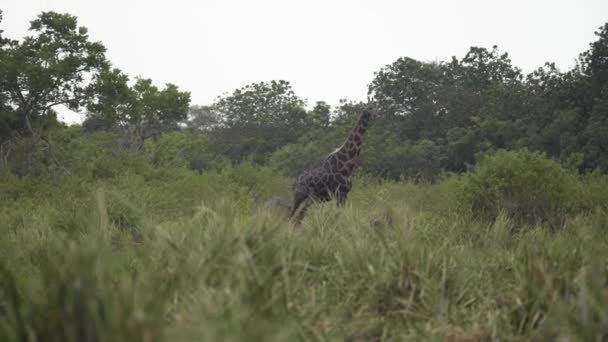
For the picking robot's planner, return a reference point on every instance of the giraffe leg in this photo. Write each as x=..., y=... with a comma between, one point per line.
x=342, y=194
x=302, y=211
x=298, y=198
x=341, y=198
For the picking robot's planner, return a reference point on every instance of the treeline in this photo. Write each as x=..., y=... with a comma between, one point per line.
x=436, y=117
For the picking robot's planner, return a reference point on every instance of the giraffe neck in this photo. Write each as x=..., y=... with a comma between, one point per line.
x=354, y=142
x=345, y=158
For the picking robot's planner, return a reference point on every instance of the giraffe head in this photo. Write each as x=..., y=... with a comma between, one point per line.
x=370, y=112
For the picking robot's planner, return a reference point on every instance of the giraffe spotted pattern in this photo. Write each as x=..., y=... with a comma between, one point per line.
x=332, y=178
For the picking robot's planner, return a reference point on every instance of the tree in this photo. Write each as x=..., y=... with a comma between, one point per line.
x=203, y=118
x=143, y=111
x=273, y=104
x=114, y=98
x=596, y=135
x=594, y=62
x=8, y=117
x=484, y=68
x=48, y=68
x=320, y=115
x=409, y=89
x=258, y=119
x=594, y=67
x=156, y=111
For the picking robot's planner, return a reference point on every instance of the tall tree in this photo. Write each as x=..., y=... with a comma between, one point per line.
x=258, y=119
x=203, y=118
x=50, y=67
x=320, y=115
x=594, y=62
x=142, y=110
x=593, y=100
x=408, y=90
x=8, y=118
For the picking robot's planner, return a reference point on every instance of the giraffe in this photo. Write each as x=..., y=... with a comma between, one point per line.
x=332, y=178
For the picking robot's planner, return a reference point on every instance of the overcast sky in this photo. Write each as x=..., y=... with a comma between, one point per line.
x=327, y=49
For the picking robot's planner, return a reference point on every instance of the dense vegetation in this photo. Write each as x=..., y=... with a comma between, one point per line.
x=479, y=212
x=436, y=117
x=187, y=256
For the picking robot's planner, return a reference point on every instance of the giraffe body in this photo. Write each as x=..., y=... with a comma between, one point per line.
x=332, y=178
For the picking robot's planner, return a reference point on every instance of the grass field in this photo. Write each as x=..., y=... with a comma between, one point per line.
x=178, y=256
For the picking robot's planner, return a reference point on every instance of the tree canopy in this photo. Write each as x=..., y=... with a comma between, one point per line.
x=257, y=119
x=51, y=67
x=436, y=117
x=143, y=109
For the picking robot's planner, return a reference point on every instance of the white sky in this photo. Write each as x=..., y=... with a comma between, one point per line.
x=328, y=50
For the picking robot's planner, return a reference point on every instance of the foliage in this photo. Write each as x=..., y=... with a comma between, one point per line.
x=594, y=63
x=182, y=241
x=143, y=111
x=412, y=160
x=46, y=69
x=436, y=117
x=526, y=186
x=258, y=119
x=320, y=115
x=203, y=118
x=190, y=256
x=294, y=158
x=182, y=149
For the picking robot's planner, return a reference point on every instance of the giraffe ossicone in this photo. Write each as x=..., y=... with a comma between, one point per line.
x=332, y=178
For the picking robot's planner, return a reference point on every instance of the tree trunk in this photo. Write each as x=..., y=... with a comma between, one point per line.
x=5, y=151
x=30, y=144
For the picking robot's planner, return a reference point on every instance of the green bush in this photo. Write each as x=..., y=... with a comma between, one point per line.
x=417, y=161
x=294, y=158
x=123, y=212
x=183, y=256
x=97, y=155
x=527, y=186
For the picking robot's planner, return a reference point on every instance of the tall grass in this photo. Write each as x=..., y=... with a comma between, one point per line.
x=183, y=256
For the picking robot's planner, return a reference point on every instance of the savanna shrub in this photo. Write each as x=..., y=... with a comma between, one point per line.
x=123, y=212
x=393, y=160
x=527, y=186
x=97, y=155
x=292, y=159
